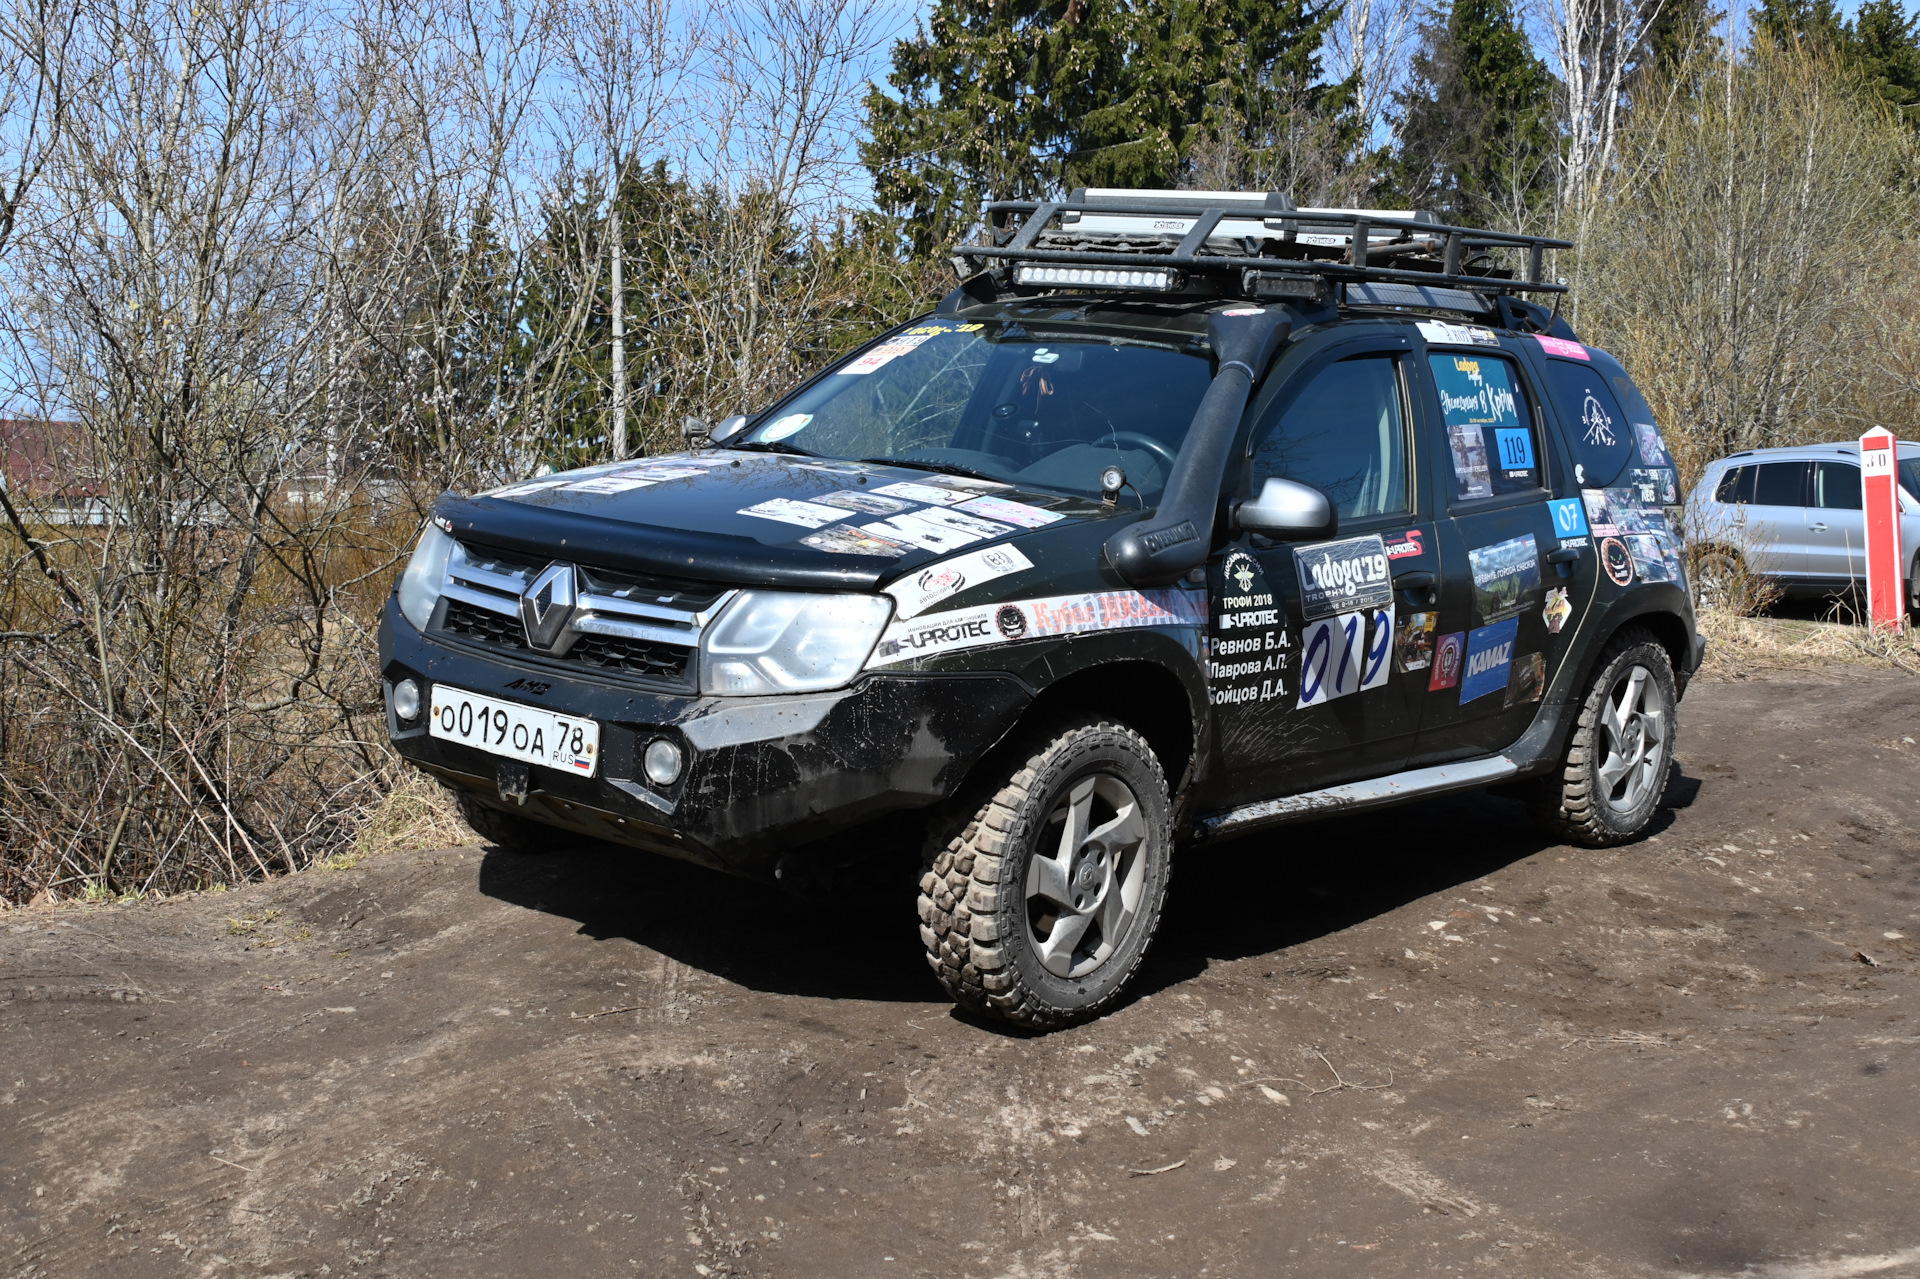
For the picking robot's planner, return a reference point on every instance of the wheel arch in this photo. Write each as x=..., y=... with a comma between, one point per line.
x=1145, y=696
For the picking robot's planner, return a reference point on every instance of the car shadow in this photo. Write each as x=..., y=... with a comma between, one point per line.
x=1266, y=894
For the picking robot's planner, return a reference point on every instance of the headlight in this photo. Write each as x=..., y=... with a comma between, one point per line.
x=420, y=584
x=778, y=642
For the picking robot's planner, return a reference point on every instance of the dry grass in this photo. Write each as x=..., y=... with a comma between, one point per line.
x=416, y=814
x=1738, y=647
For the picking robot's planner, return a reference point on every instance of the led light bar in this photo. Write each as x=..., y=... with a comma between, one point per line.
x=1097, y=277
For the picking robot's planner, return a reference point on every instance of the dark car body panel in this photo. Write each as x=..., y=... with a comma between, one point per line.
x=776, y=781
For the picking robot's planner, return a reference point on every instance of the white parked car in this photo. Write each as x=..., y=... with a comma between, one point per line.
x=1793, y=516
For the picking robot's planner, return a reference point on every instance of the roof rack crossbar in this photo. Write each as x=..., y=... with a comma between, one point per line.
x=1458, y=245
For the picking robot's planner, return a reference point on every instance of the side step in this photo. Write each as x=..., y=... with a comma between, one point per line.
x=1354, y=796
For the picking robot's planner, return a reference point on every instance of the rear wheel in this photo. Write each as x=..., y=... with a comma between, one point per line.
x=1041, y=907
x=1614, y=773
x=513, y=833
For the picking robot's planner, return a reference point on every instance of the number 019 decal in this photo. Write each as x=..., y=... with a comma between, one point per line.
x=1344, y=654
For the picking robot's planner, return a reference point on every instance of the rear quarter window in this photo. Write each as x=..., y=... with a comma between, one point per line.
x=1603, y=437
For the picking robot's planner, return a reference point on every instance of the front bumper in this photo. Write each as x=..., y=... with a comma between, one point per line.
x=766, y=779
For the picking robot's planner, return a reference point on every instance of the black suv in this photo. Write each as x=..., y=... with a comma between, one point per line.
x=1184, y=516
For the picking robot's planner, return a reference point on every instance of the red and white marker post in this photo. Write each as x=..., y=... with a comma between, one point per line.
x=1886, y=603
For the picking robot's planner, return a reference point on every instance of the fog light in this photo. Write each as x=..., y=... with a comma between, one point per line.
x=663, y=761
x=406, y=700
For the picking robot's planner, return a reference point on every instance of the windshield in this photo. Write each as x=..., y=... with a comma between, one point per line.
x=1010, y=401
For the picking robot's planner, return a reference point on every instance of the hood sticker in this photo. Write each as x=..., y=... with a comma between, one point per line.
x=611, y=484
x=927, y=493
x=844, y=540
x=865, y=503
x=1034, y=619
x=1504, y=576
x=999, y=508
x=788, y=511
x=937, y=530
x=921, y=591
x=1338, y=577
x=528, y=487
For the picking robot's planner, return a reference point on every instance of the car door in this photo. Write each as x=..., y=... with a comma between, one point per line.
x=1318, y=665
x=1766, y=504
x=1836, y=525
x=1518, y=566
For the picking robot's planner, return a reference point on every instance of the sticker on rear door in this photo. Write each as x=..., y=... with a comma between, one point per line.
x=1340, y=577
x=1489, y=659
x=1504, y=576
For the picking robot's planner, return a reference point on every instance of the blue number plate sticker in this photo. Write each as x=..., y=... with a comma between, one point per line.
x=1569, y=517
x=1516, y=449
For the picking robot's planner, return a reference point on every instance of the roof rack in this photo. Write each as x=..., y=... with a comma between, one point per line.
x=1256, y=245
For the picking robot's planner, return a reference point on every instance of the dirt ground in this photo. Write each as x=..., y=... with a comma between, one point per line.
x=1415, y=1042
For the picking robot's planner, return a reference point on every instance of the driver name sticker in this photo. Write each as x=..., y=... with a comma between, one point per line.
x=918, y=592
x=1249, y=650
x=937, y=530
x=1015, y=620
x=999, y=508
x=928, y=493
x=1343, y=576
x=788, y=511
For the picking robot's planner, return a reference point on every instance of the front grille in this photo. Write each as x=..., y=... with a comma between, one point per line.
x=624, y=624
x=635, y=657
x=479, y=624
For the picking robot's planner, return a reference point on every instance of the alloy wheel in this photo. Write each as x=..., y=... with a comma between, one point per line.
x=1634, y=735
x=1087, y=876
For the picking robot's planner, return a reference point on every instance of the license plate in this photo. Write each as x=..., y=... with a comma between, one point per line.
x=530, y=734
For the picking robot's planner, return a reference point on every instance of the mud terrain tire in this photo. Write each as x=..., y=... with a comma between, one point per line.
x=988, y=915
x=514, y=834
x=1614, y=773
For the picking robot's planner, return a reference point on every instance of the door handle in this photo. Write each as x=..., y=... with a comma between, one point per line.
x=1819, y=528
x=1564, y=555
x=1412, y=580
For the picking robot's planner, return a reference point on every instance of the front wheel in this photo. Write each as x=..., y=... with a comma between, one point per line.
x=1040, y=909
x=1614, y=773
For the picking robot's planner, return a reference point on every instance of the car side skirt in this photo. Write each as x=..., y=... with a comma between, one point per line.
x=1395, y=788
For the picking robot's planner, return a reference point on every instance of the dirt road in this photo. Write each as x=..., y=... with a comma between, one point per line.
x=1409, y=1043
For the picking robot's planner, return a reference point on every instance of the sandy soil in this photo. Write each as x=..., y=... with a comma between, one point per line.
x=1408, y=1043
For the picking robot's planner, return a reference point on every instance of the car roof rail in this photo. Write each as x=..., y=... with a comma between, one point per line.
x=1254, y=244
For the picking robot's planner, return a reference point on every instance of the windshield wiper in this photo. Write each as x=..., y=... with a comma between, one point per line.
x=945, y=468
x=770, y=446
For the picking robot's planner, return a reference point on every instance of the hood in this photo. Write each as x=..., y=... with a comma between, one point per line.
x=761, y=519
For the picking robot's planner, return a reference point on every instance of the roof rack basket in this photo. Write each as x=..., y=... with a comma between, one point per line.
x=1248, y=244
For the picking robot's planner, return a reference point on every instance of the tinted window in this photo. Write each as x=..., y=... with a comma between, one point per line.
x=1836, y=486
x=1736, y=485
x=1044, y=406
x=1491, y=444
x=1603, y=438
x=1781, y=484
x=1346, y=435
x=1910, y=476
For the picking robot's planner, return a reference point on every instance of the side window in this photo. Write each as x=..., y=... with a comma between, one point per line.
x=1836, y=486
x=1736, y=486
x=1345, y=433
x=1603, y=439
x=1781, y=484
x=1491, y=442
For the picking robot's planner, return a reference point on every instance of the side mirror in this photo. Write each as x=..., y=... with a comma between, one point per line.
x=1289, y=510
x=728, y=428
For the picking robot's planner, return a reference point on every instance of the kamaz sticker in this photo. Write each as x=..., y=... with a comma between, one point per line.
x=1338, y=577
x=918, y=592
x=1034, y=619
x=1489, y=657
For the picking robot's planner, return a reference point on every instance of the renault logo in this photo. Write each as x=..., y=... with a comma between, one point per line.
x=546, y=606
